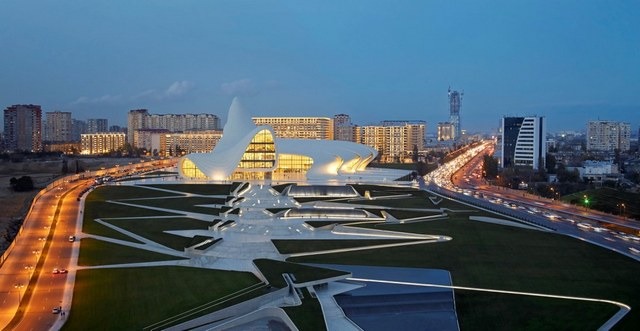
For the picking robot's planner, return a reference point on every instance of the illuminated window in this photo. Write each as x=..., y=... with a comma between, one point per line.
x=292, y=163
x=190, y=170
x=260, y=154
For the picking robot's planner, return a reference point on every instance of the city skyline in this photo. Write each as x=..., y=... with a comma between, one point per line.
x=571, y=62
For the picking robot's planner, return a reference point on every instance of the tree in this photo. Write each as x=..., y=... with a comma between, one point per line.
x=415, y=153
x=550, y=163
x=65, y=167
x=22, y=184
x=422, y=168
x=489, y=166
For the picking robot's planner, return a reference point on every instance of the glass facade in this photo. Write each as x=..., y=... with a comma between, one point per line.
x=190, y=170
x=260, y=155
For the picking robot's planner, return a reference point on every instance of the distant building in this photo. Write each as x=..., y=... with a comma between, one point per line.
x=136, y=119
x=445, y=131
x=23, y=128
x=58, y=126
x=598, y=171
x=189, y=142
x=95, y=125
x=455, y=102
x=101, y=142
x=78, y=127
x=342, y=128
x=394, y=140
x=68, y=147
x=607, y=136
x=318, y=128
x=523, y=142
x=139, y=119
x=117, y=128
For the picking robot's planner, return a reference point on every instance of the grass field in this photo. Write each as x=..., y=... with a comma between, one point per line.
x=187, y=204
x=608, y=200
x=303, y=246
x=502, y=257
x=132, y=298
x=204, y=189
x=153, y=229
x=480, y=255
x=273, y=270
x=96, y=252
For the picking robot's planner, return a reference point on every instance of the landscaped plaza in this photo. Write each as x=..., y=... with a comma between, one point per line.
x=157, y=253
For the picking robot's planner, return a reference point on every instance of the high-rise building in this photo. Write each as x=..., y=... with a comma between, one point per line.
x=102, y=142
x=342, y=127
x=394, y=140
x=445, y=131
x=136, y=119
x=95, y=125
x=23, y=128
x=78, y=127
x=455, y=101
x=58, y=126
x=189, y=142
x=141, y=119
x=117, y=128
x=523, y=142
x=607, y=136
x=299, y=127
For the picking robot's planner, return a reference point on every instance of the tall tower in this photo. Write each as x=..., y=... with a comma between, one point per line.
x=58, y=126
x=137, y=119
x=455, y=101
x=23, y=128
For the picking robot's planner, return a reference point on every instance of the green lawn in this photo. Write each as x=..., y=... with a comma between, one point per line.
x=111, y=192
x=153, y=229
x=97, y=252
x=307, y=316
x=204, y=189
x=273, y=270
x=132, y=298
x=187, y=204
x=304, y=246
x=101, y=209
x=480, y=255
x=608, y=200
x=502, y=257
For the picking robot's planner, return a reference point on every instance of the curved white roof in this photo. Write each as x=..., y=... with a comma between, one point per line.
x=330, y=157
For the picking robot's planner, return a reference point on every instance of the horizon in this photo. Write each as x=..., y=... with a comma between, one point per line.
x=572, y=61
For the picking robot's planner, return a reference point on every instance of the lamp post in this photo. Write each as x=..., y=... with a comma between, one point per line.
x=621, y=210
x=19, y=287
x=586, y=202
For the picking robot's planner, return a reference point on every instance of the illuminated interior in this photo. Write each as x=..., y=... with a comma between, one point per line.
x=260, y=154
x=190, y=170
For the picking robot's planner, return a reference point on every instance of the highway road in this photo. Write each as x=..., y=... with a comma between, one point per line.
x=610, y=231
x=41, y=246
x=29, y=290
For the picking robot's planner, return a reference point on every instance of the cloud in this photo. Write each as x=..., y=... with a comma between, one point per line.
x=176, y=90
x=105, y=99
x=240, y=87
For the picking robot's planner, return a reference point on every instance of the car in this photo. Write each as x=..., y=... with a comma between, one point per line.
x=64, y=271
x=56, y=271
x=56, y=310
x=72, y=238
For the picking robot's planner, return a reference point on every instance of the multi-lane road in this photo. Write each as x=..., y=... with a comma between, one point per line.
x=29, y=289
x=42, y=245
x=464, y=181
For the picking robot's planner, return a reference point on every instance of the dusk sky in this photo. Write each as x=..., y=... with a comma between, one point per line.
x=571, y=61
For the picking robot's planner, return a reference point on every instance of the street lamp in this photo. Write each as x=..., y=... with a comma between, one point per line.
x=622, y=207
x=18, y=287
x=586, y=201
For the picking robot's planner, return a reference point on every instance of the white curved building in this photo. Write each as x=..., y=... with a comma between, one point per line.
x=247, y=152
